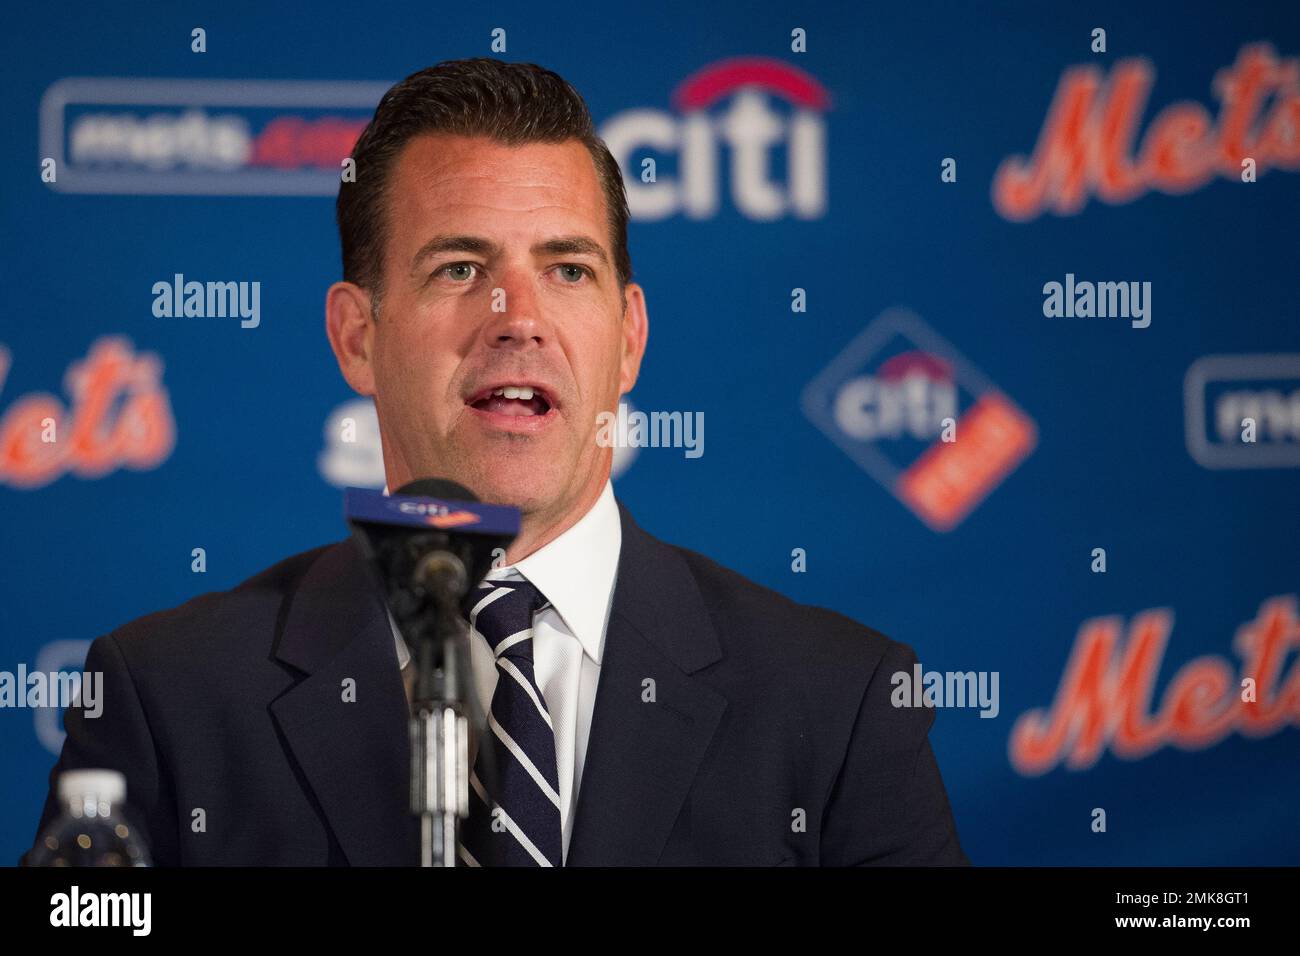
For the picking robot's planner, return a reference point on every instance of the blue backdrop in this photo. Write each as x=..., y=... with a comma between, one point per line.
x=923, y=299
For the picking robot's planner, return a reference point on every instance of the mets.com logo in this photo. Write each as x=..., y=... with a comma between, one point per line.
x=919, y=418
x=752, y=126
x=1243, y=411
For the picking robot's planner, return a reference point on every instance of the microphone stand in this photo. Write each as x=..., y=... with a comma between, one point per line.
x=425, y=547
x=439, y=724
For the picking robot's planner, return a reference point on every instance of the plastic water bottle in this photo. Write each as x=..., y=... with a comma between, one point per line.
x=91, y=830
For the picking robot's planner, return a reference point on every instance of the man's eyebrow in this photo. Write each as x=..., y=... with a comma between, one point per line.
x=472, y=244
x=477, y=245
x=571, y=246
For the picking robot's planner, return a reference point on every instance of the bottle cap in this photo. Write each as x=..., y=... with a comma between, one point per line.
x=107, y=786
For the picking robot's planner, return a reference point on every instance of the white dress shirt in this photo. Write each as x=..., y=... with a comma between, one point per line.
x=576, y=572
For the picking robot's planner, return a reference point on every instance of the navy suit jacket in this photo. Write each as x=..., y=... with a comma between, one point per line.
x=770, y=739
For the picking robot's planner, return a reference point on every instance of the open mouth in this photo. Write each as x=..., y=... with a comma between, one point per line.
x=517, y=401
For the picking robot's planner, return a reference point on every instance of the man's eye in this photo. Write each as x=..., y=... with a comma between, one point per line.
x=458, y=271
x=572, y=273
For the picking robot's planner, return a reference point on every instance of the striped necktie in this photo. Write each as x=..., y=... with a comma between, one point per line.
x=518, y=824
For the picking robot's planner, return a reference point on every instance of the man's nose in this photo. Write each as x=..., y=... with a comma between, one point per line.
x=515, y=319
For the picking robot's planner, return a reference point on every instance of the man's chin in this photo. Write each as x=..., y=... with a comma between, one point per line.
x=523, y=490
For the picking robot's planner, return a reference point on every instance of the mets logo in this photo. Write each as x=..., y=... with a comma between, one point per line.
x=919, y=418
x=1089, y=143
x=118, y=415
x=1106, y=697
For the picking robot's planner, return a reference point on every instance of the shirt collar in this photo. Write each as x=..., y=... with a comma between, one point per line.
x=576, y=572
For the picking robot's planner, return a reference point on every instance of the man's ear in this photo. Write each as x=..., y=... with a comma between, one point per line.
x=636, y=328
x=351, y=330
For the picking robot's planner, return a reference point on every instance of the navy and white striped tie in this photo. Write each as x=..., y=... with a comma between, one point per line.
x=518, y=824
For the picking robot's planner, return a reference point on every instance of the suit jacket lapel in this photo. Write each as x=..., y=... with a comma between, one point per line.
x=354, y=754
x=643, y=753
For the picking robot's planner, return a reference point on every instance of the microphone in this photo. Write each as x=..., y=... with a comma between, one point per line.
x=429, y=544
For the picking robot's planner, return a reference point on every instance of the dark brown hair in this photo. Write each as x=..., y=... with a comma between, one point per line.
x=510, y=103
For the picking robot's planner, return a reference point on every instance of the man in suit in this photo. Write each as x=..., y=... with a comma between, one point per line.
x=648, y=706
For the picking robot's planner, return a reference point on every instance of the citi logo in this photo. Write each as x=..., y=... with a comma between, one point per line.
x=911, y=395
x=426, y=509
x=919, y=418
x=772, y=111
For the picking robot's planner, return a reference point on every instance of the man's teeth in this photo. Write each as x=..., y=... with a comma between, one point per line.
x=515, y=391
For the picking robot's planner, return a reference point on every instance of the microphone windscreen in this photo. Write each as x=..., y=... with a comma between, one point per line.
x=437, y=488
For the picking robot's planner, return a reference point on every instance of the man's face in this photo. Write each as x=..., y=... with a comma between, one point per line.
x=498, y=273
